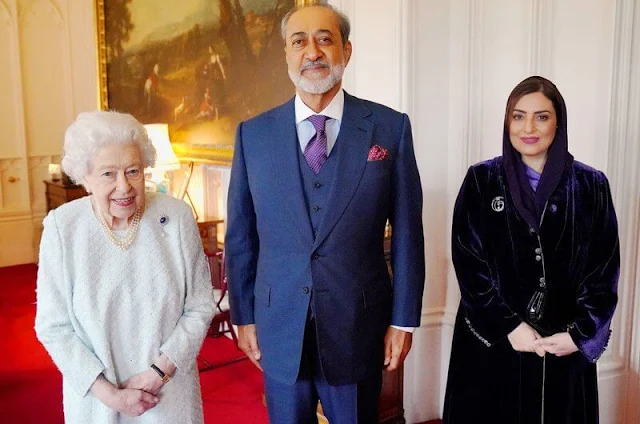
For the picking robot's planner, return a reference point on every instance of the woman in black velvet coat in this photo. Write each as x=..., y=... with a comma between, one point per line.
x=535, y=249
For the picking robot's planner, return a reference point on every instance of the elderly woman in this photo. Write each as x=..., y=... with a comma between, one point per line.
x=535, y=248
x=124, y=292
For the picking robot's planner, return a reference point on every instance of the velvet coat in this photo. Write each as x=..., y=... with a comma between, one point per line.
x=500, y=261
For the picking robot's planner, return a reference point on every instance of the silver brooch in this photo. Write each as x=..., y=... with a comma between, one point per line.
x=497, y=204
x=163, y=220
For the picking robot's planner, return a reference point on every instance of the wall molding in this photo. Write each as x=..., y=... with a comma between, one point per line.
x=15, y=215
x=12, y=65
x=440, y=316
x=348, y=8
x=540, y=55
x=18, y=98
x=623, y=156
x=465, y=92
x=5, y=14
x=45, y=36
x=405, y=66
x=432, y=317
x=611, y=368
x=475, y=78
x=7, y=163
x=633, y=128
x=38, y=161
x=25, y=15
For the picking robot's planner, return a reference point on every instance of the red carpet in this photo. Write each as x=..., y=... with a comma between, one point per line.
x=31, y=386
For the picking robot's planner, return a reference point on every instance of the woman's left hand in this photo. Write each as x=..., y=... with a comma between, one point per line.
x=560, y=344
x=149, y=381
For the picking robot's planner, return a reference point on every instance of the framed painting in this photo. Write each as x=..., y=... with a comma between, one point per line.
x=202, y=66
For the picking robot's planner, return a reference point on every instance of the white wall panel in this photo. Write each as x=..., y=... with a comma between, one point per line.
x=9, y=86
x=84, y=58
x=623, y=159
x=11, y=230
x=375, y=28
x=430, y=121
x=504, y=52
x=46, y=79
x=581, y=67
x=430, y=80
x=13, y=197
x=422, y=372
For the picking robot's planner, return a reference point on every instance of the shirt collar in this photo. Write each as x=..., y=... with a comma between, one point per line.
x=333, y=110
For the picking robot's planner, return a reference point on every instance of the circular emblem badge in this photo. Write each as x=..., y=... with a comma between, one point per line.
x=497, y=204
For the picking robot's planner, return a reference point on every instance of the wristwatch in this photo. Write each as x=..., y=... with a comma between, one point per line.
x=165, y=377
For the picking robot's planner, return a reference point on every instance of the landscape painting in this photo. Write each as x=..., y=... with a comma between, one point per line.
x=202, y=66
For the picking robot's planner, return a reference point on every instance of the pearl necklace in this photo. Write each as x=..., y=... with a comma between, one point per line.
x=121, y=242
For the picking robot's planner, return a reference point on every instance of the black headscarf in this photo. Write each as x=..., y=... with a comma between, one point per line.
x=531, y=204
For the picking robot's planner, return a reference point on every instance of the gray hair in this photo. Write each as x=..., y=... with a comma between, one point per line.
x=95, y=130
x=343, y=21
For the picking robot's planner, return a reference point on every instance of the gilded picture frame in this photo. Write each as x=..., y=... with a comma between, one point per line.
x=201, y=66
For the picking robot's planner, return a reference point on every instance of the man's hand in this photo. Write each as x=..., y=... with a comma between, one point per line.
x=248, y=342
x=560, y=344
x=523, y=338
x=397, y=344
x=149, y=381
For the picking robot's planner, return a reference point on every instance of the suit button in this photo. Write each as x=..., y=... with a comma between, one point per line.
x=538, y=250
x=531, y=230
x=305, y=290
x=315, y=256
x=315, y=208
x=317, y=185
x=538, y=258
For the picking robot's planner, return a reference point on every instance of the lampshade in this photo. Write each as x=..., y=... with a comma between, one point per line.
x=159, y=135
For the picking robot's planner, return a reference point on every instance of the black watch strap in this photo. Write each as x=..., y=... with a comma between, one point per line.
x=163, y=376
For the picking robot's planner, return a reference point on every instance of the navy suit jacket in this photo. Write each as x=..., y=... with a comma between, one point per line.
x=276, y=267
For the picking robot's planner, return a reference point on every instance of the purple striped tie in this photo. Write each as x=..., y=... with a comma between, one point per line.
x=316, y=150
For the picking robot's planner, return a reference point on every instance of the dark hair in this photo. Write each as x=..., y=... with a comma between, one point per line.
x=343, y=21
x=534, y=84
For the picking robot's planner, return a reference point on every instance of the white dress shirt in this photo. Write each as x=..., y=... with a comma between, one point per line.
x=306, y=131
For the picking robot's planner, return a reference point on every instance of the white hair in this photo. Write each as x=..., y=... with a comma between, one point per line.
x=307, y=85
x=95, y=130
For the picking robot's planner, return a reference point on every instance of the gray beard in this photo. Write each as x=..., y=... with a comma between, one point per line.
x=321, y=86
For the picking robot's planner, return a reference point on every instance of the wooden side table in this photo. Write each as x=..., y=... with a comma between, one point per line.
x=208, y=228
x=59, y=194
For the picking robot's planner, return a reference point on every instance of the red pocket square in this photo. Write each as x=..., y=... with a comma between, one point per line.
x=378, y=152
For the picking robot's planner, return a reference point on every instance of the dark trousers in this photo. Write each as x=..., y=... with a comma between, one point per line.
x=297, y=403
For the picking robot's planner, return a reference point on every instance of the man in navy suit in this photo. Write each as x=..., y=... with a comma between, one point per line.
x=313, y=184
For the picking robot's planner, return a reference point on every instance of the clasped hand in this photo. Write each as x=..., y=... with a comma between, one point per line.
x=148, y=381
x=526, y=339
x=126, y=400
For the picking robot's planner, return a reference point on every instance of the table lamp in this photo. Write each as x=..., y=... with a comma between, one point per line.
x=166, y=159
x=54, y=171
